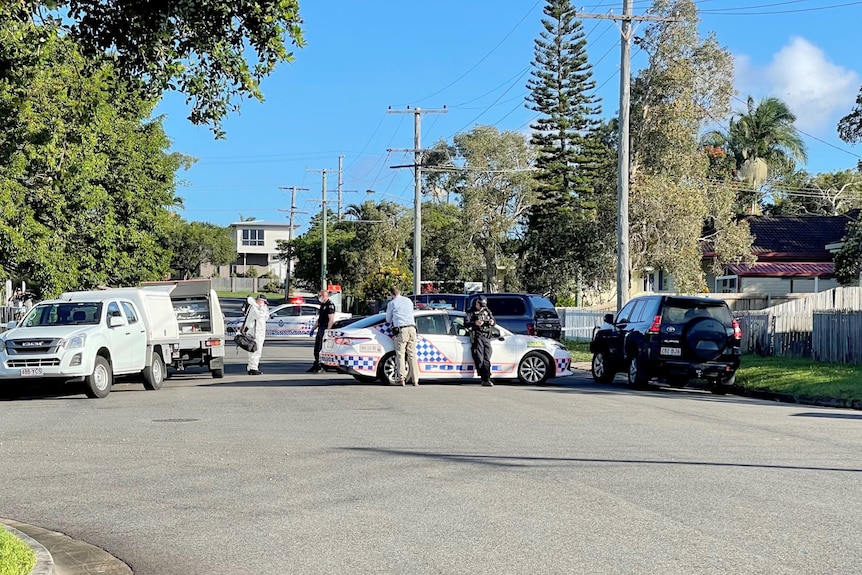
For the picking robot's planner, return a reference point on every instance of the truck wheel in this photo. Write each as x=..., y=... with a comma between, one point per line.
x=98, y=384
x=154, y=374
x=218, y=373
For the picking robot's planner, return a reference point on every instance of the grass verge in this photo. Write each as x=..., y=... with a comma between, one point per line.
x=16, y=557
x=580, y=350
x=796, y=377
x=801, y=377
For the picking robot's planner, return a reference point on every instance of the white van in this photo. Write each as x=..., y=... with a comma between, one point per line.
x=90, y=337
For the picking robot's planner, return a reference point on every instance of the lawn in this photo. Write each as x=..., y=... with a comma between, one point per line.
x=801, y=377
x=16, y=557
x=796, y=377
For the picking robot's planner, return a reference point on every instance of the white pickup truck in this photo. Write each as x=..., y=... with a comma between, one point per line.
x=90, y=337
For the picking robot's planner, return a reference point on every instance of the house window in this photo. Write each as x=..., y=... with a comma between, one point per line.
x=252, y=237
x=726, y=284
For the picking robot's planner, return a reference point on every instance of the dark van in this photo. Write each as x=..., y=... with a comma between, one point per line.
x=528, y=314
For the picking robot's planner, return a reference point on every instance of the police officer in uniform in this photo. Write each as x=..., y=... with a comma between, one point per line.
x=479, y=323
x=325, y=319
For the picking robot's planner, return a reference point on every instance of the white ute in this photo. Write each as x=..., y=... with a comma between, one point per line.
x=90, y=337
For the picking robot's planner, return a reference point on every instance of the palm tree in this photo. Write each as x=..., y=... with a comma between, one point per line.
x=763, y=140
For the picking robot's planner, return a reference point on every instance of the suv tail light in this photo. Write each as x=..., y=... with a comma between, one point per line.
x=656, y=325
x=737, y=332
x=531, y=329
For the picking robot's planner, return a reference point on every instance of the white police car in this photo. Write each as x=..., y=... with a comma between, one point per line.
x=287, y=321
x=365, y=349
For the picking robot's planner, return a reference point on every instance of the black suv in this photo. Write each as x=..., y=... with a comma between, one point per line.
x=456, y=301
x=675, y=338
x=528, y=314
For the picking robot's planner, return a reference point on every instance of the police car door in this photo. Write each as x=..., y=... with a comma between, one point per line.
x=437, y=350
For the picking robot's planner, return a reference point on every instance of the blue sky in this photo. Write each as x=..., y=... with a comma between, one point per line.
x=473, y=57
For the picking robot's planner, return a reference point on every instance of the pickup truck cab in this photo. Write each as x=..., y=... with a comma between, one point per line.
x=89, y=337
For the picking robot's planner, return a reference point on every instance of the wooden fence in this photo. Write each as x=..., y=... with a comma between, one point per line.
x=823, y=325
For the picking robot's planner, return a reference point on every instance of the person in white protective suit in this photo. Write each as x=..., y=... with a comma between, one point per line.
x=255, y=325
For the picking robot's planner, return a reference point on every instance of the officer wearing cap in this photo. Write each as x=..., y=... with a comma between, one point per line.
x=479, y=322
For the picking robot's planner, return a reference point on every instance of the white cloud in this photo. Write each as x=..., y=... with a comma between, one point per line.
x=815, y=89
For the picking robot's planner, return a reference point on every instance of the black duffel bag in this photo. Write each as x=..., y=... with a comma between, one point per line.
x=245, y=341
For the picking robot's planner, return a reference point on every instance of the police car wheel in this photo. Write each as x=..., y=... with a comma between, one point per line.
x=387, y=369
x=534, y=369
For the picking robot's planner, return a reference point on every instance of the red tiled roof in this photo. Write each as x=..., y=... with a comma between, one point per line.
x=783, y=269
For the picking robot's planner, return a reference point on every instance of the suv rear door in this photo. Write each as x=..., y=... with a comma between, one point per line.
x=694, y=329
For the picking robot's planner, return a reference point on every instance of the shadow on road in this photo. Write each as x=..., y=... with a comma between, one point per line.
x=528, y=461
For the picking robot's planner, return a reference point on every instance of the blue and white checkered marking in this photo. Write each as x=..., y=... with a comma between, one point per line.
x=428, y=353
x=358, y=362
x=562, y=364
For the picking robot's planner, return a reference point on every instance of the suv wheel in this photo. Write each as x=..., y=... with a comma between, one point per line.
x=602, y=372
x=636, y=377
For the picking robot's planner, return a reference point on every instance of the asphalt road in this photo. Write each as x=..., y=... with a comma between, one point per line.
x=311, y=474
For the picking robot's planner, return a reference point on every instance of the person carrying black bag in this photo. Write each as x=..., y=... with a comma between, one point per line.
x=479, y=322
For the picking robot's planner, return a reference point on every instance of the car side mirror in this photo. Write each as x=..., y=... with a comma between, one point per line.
x=12, y=325
x=496, y=333
x=609, y=318
x=116, y=321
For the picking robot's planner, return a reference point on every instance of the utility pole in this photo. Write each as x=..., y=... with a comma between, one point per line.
x=292, y=211
x=323, y=173
x=417, y=191
x=340, y=184
x=624, y=161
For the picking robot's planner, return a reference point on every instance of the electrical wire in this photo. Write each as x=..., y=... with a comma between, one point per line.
x=774, y=12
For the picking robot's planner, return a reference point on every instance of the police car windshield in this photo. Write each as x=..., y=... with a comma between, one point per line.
x=51, y=314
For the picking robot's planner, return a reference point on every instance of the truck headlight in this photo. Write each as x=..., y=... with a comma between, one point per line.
x=75, y=341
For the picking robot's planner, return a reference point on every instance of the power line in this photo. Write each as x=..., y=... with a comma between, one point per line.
x=773, y=12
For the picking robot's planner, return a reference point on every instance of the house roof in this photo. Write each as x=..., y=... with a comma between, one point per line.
x=783, y=269
x=797, y=235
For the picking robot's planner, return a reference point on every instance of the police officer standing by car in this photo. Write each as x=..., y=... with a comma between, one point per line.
x=479, y=322
x=325, y=319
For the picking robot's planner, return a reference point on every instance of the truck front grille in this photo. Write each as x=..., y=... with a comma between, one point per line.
x=33, y=362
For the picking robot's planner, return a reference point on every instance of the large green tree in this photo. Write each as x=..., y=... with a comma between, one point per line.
x=561, y=225
x=86, y=181
x=850, y=126
x=827, y=193
x=848, y=261
x=674, y=207
x=488, y=173
x=216, y=52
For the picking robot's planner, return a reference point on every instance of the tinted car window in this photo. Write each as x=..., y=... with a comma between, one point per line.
x=625, y=315
x=543, y=307
x=130, y=312
x=650, y=309
x=507, y=306
x=636, y=311
x=682, y=311
x=368, y=321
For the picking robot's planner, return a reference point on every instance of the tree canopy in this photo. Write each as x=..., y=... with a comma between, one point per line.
x=216, y=52
x=86, y=181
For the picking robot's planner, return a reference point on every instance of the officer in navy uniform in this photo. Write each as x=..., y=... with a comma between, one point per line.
x=325, y=319
x=479, y=322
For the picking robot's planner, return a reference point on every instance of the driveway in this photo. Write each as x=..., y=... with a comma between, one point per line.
x=312, y=474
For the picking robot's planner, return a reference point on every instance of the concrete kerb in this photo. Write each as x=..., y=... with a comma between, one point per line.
x=44, y=561
x=67, y=556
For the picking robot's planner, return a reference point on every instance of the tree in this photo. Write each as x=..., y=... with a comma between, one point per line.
x=195, y=243
x=561, y=223
x=86, y=181
x=674, y=206
x=764, y=143
x=307, y=249
x=850, y=126
x=848, y=261
x=446, y=248
x=216, y=52
x=489, y=173
x=828, y=193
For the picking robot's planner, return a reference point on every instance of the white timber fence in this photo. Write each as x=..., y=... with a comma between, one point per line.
x=825, y=326
x=578, y=324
